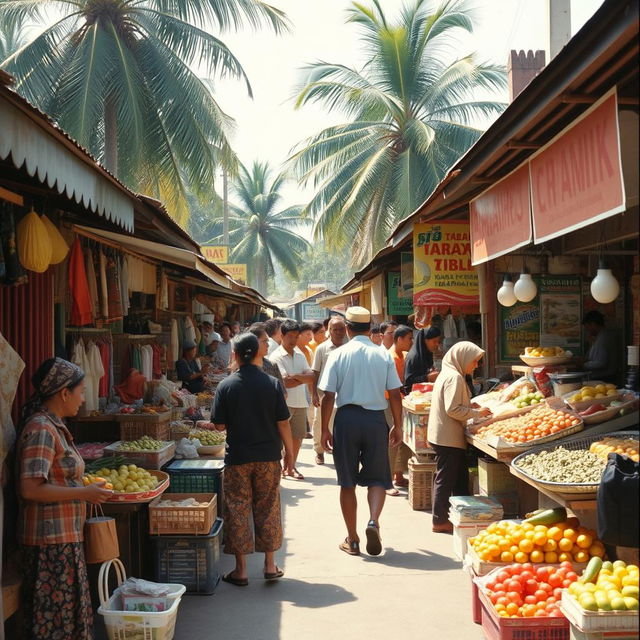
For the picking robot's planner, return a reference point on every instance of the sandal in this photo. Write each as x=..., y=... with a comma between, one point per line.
x=237, y=582
x=392, y=492
x=374, y=541
x=278, y=573
x=351, y=547
x=403, y=483
x=296, y=475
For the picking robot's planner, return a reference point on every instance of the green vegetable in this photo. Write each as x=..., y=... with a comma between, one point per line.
x=590, y=574
x=548, y=516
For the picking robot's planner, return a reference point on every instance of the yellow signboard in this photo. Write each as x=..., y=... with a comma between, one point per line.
x=237, y=271
x=442, y=269
x=216, y=254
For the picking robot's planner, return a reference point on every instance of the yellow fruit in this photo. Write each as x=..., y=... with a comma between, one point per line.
x=537, y=556
x=631, y=603
x=506, y=556
x=521, y=557
x=565, y=557
x=584, y=541
x=551, y=557
x=565, y=544
x=581, y=556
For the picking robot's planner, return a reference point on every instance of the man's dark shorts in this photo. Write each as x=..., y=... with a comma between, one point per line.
x=361, y=447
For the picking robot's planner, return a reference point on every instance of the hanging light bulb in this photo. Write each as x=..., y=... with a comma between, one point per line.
x=525, y=288
x=506, y=296
x=604, y=287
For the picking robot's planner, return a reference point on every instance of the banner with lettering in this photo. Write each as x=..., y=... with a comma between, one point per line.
x=442, y=269
x=577, y=179
x=219, y=254
x=397, y=305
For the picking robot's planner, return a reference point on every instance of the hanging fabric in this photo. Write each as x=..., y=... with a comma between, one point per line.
x=94, y=371
x=80, y=297
x=189, y=330
x=104, y=293
x=113, y=290
x=462, y=328
x=92, y=282
x=163, y=294
x=174, y=354
x=124, y=285
x=13, y=271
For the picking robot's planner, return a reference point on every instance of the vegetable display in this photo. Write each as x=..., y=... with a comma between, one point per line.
x=594, y=392
x=563, y=465
x=209, y=438
x=607, y=586
x=142, y=444
x=125, y=479
x=558, y=541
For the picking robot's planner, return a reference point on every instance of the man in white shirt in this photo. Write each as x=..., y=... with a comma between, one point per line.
x=387, y=329
x=295, y=375
x=272, y=327
x=225, y=348
x=355, y=379
x=337, y=337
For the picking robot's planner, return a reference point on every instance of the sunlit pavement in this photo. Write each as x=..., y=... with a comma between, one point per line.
x=416, y=587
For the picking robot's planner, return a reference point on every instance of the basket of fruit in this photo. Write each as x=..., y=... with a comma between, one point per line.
x=604, y=599
x=545, y=356
x=593, y=393
x=204, y=399
x=546, y=536
x=212, y=442
x=149, y=420
x=176, y=513
x=576, y=466
x=145, y=452
x=541, y=424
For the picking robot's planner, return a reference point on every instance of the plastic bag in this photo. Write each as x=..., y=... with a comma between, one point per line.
x=543, y=382
x=188, y=448
x=137, y=586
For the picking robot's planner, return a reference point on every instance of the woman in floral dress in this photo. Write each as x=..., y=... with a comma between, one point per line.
x=57, y=604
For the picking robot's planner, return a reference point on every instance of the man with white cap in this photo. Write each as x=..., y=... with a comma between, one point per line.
x=355, y=378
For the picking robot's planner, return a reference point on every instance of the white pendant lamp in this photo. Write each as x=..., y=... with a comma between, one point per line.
x=525, y=288
x=604, y=287
x=506, y=295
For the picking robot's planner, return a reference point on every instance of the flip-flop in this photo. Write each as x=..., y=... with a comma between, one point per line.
x=392, y=492
x=403, y=483
x=374, y=542
x=237, y=582
x=350, y=547
x=274, y=575
x=296, y=475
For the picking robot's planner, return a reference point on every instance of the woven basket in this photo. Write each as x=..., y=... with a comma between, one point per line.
x=420, y=479
x=136, y=425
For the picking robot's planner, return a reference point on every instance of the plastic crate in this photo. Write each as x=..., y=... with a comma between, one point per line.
x=420, y=480
x=596, y=621
x=476, y=606
x=145, y=459
x=136, y=425
x=178, y=519
x=498, y=628
x=196, y=476
x=193, y=561
x=576, y=634
x=462, y=533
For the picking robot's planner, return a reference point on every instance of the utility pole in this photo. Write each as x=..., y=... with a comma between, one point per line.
x=559, y=25
x=225, y=209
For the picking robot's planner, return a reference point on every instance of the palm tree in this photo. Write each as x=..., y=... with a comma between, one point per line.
x=12, y=37
x=409, y=111
x=260, y=234
x=116, y=75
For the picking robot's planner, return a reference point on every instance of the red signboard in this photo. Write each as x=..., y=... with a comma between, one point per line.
x=501, y=217
x=577, y=179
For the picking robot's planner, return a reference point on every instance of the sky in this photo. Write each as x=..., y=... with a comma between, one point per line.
x=268, y=127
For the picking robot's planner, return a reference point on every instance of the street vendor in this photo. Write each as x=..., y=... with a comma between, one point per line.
x=603, y=359
x=215, y=360
x=187, y=368
x=56, y=601
x=418, y=366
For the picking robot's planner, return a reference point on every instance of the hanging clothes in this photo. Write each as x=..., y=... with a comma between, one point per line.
x=450, y=331
x=13, y=271
x=11, y=368
x=462, y=328
x=189, y=330
x=104, y=293
x=94, y=371
x=174, y=353
x=80, y=297
x=124, y=285
x=163, y=295
x=157, y=359
x=104, y=389
x=136, y=358
x=146, y=355
x=90, y=268
x=113, y=290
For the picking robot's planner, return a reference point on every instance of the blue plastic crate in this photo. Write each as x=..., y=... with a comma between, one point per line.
x=193, y=561
x=197, y=476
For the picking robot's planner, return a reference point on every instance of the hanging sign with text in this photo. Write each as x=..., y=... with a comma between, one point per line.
x=442, y=269
x=577, y=179
x=237, y=271
x=397, y=305
x=217, y=254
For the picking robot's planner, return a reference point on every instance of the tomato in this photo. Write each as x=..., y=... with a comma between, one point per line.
x=557, y=593
x=513, y=585
x=502, y=576
x=540, y=595
x=491, y=586
x=499, y=586
x=503, y=600
x=571, y=575
x=527, y=566
x=530, y=586
x=566, y=564
x=528, y=599
x=556, y=613
x=542, y=573
x=555, y=580
x=567, y=583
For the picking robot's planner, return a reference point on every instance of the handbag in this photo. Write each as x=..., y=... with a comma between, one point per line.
x=100, y=537
x=618, y=511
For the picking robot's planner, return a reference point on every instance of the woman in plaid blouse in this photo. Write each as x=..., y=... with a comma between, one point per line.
x=57, y=603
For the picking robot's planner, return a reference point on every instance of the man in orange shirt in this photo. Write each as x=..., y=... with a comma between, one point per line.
x=399, y=456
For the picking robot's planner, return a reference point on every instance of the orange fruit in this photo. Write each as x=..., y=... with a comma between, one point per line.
x=494, y=550
x=514, y=549
x=581, y=556
x=521, y=557
x=536, y=556
x=526, y=545
x=551, y=545
x=584, y=541
x=565, y=557
x=565, y=544
x=596, y=549
x=506, y=556
x=512, y=608
x=551, y=557
x=554, y=533
x=540, y=538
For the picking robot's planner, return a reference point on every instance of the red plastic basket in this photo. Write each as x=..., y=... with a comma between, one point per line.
x=476, y=605
x=498, y=628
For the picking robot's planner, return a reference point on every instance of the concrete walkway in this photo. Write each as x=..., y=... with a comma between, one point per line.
x=416, y=588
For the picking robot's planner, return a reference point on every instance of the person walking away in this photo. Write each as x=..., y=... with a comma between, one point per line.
x=387, y=329
x=251, y=406
x=358, y=374
x=187, y=369
x=56, y=599
x=418, y=365
x=376, y=334
x=296, y=375
x=304, y=338
x=450, y=410
x=319, y=335
x=225, y=350
x=603, y=357
x=259, y=331
x=272, y=327
x=399, y=456
x=337, y=337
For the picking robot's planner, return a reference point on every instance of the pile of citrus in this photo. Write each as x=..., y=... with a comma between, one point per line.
x=509, y=541
x=608, y=586
x=525, y=591
x=538, y=423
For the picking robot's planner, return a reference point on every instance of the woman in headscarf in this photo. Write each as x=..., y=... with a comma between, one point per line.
x=419, y=362
x=450, y=410
x=187, y=369
x=56, y=603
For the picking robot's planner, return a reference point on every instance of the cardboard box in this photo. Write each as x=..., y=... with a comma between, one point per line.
x=462, y=533
x=495, y=477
